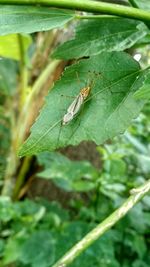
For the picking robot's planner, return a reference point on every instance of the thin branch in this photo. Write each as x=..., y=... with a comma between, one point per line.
x=136, y=195
x=88, y=6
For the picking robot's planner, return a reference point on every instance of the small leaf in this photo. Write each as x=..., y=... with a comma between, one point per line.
x=108, y=111
x=28, y=19
x=9, y=45
x=106, y=34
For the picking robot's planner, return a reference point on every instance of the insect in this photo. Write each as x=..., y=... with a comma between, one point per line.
x=75, y=106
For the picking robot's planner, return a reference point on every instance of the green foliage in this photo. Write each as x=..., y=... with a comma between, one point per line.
x=143, y=4
x=69, y=175
x=114, y=77
x=39, y=233
x=106, y=34
x=4, y=146
x=28, y=19
x=42, y=250
x=10, y=47
x=143, y=92
x=8, y=83
x=36, y=233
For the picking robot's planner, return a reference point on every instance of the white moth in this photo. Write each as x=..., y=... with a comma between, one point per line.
x=75, y=106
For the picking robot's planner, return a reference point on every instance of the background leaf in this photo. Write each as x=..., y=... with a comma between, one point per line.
x=70, y=175
x=8, y=83
x=28, y=19
x=108, y=111
x=144, y=91
x=9, y=45
x=143, y=4
x=40, y=250
x=106, y=34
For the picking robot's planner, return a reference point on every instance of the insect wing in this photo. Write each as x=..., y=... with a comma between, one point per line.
x=76, y=105
x=67, y=118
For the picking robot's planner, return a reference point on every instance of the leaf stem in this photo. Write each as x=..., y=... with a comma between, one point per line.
x=88, y=6
x=136, y=195
x=94, y=16
x=23, y=72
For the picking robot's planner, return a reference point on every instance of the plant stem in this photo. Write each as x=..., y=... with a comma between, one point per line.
x=136, y=195
x=21, y=176
x=89, y=6
x=23, y=72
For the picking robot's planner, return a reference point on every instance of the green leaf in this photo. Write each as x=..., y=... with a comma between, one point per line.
x=13, y=248
x=106, y=34
x=28, y=19
x=9, y=45
x=140, y=263
x=38, y=250
x=137, y=219
x=143, y=92
x=143, y=4
x=70, y=175
x=142, y=42
x=115, y=167
x=101, y=253
x=8, y=83
x=55, y=208
x=2, y=245
x=6, y=210
x=108, y=111
x=139, y=245
x=5, y=143
x=144, y=163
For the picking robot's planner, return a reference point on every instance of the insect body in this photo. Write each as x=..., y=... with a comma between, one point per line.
x=75, y=106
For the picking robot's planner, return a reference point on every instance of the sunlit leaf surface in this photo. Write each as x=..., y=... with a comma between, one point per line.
x=110, y=108
x=28, y=19
x=106, y=34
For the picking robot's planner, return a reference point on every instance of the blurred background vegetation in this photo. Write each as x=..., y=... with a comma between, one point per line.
x=60, y=196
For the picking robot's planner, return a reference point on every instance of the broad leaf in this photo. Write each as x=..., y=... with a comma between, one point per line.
x=108, y=111
x=40, y=247
x=10, y=46
x=70, y=175
x=28, y=19
x=36, y=249
x=106, y=34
